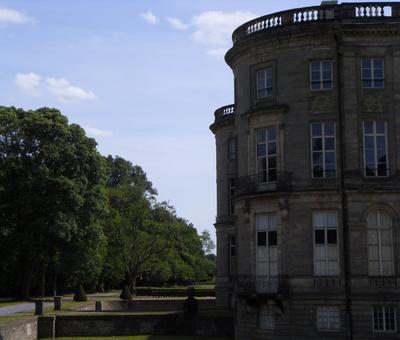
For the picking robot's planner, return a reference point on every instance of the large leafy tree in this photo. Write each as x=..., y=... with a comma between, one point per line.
x=51, y=194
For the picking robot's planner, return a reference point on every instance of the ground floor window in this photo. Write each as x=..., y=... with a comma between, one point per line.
x=266, y=318
x=384, y=319
x=328, y=318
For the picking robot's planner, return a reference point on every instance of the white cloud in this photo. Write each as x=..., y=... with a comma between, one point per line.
x=177, y=24
x=214, y=28
x=97, y=132
x=12, y=16
x=29, y=83
x=150, y=18
x=65, y=92
x=217, y=52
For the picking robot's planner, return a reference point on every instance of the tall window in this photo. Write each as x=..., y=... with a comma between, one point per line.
x=326, y=252
x=380, y=244
x=328, y=318
x=267, y=245
x=266, y=318
x=264, y=83
x=232, y=191
x=321, y=75
x=384, y=319
x=232, y=148
x=323, y=144
x=266, y=154
x=375, y=148
x=373, y=73
x=232, y=253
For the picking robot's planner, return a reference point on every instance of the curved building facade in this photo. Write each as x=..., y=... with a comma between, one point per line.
x=308, y=165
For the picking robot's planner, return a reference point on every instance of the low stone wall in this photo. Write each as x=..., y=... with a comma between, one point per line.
x=162, y=305
x=25, y=329
x=156, y=324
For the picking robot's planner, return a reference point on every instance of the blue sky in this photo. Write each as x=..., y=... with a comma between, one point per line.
x=141, y=76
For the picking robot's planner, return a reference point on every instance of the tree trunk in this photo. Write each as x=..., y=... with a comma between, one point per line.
x=55, y=283
x=43, y=280
x=25, y=290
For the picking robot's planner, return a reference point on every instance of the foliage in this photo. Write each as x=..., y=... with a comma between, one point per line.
x=70, y=217
x=126, y=294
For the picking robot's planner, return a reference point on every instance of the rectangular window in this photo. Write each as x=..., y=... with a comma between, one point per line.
x=328, y=318
x=264, y=83
x=266, y=318
x=323, y=150
x=384, y=319
x=326, y=251
x=232, y=192
x=375, y=148
x=373, y=73
x=266, y=154
x=321, y=75
x=232, y=148
x=267, y=245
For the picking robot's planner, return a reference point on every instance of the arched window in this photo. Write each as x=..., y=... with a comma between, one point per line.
x=380, y=244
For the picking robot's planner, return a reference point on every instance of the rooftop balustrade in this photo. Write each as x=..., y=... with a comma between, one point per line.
x=357, y=12
x=265, y=182
x=225, y=112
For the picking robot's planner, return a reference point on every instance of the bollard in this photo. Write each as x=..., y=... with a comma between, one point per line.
x=38, y=307
x=57, y=302
x=99, y=306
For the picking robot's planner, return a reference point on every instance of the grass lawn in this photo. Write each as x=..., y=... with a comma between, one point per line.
x=14, y=317
x=144, y=337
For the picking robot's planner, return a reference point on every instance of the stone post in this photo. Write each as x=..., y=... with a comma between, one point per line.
x=57, y=302
x=38, y=307
x=99, y=306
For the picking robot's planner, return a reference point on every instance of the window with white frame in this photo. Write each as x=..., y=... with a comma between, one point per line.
x=232, y=192
x=232, y=149
x=326, y=251
x=264, y=83
x=323, y=149
x=266, y=154
x=267, y=245
x=373, y=73
x=328, y=318
x=375, y=148
x=321, y=75
x=266, y=318
x=384, y=319
x=380, y=244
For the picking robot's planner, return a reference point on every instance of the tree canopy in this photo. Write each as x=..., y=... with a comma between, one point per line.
x=69, y=216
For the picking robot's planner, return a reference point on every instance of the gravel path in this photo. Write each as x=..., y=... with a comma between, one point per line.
x=21, y=307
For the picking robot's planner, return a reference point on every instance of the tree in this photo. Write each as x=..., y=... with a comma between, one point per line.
x=207, y=242
x=51, y=190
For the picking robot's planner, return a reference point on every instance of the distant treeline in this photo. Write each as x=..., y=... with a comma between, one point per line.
x=69, y=216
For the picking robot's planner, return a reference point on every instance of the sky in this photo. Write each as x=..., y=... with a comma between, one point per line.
x=143, y=77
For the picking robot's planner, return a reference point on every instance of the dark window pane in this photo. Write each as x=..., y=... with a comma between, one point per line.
x=317, y=157
x=378, y=63
x=381, y=156
x=329, y=129
x=367, y=83
x=327, y=66
x=320, y=236
x=382, y=170
x=370, y=156
x=366, y=63
x=378, y=74
x=272, y=176
x=316, y=129
x=272, y=238
x=261, y=135
x=271, y=134
x=261, y=150
x=368, y=127
x=261, y=238
x=327, y=84
x=272, y=162
x=317, y=144
x=379, y=84
x=369, y=142
x=315, y=66
x=315, y=85
x=329, y=143
x=367, y=74
x=380, y=126
x=330, y=158
x=381, y=142
x=318, y=171
x=332, y=236
x=271, y=148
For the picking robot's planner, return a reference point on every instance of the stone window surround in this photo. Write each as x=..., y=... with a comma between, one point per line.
x=372, y=57
x=310, y=61
x=318, y=315
x=253, y=81
x=384, y=307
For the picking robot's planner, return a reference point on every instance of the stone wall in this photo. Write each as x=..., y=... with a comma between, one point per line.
x=114, y=324
x=25, y=329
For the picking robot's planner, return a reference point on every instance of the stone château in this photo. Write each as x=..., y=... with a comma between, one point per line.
x=308, y=175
